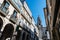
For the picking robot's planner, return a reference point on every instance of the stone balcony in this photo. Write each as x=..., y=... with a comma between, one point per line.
x=28, y=19
x=13, y=19
x=24, y=25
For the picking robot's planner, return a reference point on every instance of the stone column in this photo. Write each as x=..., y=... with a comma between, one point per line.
x=21, y=35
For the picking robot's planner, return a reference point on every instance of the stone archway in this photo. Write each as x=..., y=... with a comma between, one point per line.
x=7, y=32
x=1, y=23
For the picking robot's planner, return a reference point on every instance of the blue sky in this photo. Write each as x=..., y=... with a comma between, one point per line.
x=36, y=7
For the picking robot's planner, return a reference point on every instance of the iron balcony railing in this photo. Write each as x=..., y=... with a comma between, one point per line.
x=24, y=25
x=28, y=19
x=13, y=19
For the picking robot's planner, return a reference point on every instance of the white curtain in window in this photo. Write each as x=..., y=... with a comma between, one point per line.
x=1, y=1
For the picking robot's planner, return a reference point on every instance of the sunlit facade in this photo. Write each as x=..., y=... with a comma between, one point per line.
x=16, y=21
x=53, y=11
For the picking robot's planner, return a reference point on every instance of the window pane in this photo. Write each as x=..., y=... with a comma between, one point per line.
x=6, y=4
x=15, y=14
x=4, y=9
x=22, y=1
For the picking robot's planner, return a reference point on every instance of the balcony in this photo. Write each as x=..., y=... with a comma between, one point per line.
x=23, y=25
x=14, y=17
x=26, y=17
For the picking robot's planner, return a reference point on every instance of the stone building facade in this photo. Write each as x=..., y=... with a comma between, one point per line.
x=53, y=10
x=47, y=23
x=16, y=21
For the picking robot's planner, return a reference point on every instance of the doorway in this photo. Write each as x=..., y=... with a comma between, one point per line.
x=7, y=32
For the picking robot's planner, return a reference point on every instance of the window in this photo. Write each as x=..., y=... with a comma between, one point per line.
x=5, y=6
x=22, y=1
x=22, y=10
x=45, y=32
x=15, y=14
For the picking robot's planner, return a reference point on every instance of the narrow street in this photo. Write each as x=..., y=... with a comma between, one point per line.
x=29, y=19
